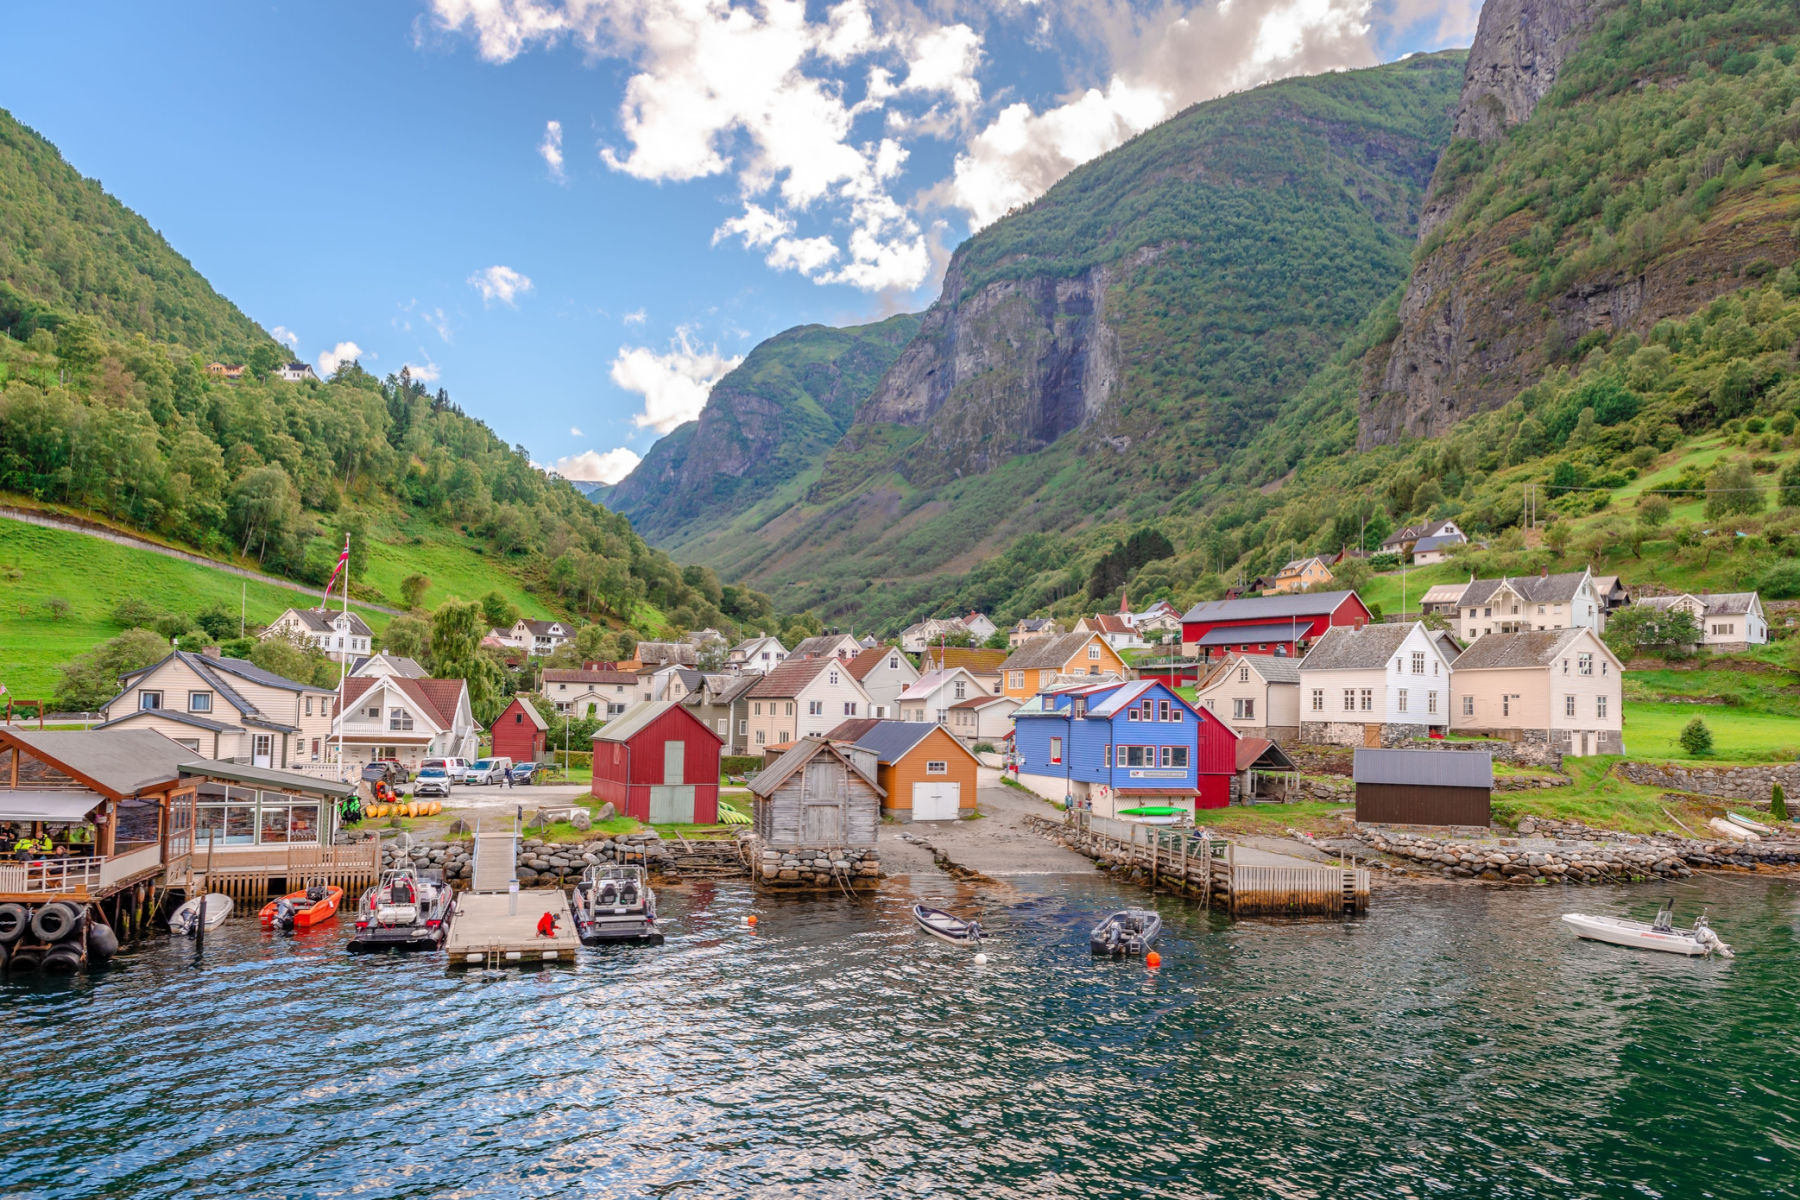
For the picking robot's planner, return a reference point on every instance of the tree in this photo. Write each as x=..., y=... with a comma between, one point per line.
x=500, y=612
x=997, y=640
x=1697, y=739
x=1653, y=511
x=1638, y=628
x=413, y=589
x=1789, y=495
x=1778, y=803
x=57, y=607
x=456, y=633
x=90, y=680
x=132, y=613
x=294, y=659
x=1731, y=488
x=1376, y=531
x=408, y=637
x=1557, y=537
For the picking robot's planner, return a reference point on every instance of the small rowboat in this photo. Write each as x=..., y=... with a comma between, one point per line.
x=1747, y=823
x=1154, y=814
x=1660, y=934
x=947, y=927
x=306, y=907
x=1731, y=830
x=1129, y=931
x=186, y=919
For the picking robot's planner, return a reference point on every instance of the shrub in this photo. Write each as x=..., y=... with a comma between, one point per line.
x=741, y=764
x=57, y=607
x=1781, y=581
x=132, y=613
x=1778, y=803
x=984, y=747
x=1697, y=739
x=1386, y=561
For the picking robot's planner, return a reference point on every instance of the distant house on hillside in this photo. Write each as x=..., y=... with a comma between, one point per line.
x=538, y=638
x=915, y=638
x=884, y=673
x=1436, y=547
x=342, y=636
x=294, y=372
x=1443, y=599
x=1613, y=593
x=593, y=692
x=219, y=370
x=1727, y=620
x=1028, y=628
x=1115, y=628
x=1404, y=541
x=984, y=665
x=1529, y=603
x=828, y=645
x=758, y=655
x=979, y=627
x=1299, y=575
x=667, y=654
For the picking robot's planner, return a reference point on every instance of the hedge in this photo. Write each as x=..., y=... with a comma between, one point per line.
x=741, y=764
x=572, y=758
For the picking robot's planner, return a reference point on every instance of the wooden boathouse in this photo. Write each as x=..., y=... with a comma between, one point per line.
x=1242, y=880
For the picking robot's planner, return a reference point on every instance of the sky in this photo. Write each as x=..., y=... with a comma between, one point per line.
x=577, y=215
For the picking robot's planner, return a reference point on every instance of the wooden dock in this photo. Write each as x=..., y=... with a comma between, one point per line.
x=491, y=930
x=253, y=876
x=1240, y=879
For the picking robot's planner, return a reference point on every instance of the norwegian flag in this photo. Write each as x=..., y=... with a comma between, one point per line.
x=343, y=563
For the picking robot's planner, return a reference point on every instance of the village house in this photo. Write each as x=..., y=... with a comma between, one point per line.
x=1560, y=689
x=1527, y=603
x=658, y=763
x=667, y=654
x=1613, y=593
x=1436, y=548
x=1279, y=625
x=721, y=703
x=1161, y=618
x=670, y=682
x=342, y=636
x=1258, y=695
x=592, y=691
x=1380, y=685
x=758, y=654
x=539, y=638
x=983, y=719
x=979, y=626
x=884, y=673
x=406, y=719
x=294, y=372
x=228, y=371
x=1029, y=628
x=1404, y=541
x=383, y=663
x=926, y=773
x=931, y=697
x=984, y=665
x=519, y=731
x=1043, y=663
x=1443, y=599
x=829, y=645
x=1116, y=628
x=1300, y=574
x=1119, y=745
x=803, y=697
x=226, y=708
x=1728, y=621
x=915, y=638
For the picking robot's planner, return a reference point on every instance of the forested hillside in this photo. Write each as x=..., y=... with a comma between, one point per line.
x=106, y=407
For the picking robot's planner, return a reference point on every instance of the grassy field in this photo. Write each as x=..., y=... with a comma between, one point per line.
x=1384, y=591
x=1739, y=735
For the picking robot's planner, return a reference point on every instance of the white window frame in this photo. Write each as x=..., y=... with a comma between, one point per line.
x=936, y=766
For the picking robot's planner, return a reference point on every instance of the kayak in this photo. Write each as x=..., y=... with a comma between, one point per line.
x=306, y=907
x=1155, y=814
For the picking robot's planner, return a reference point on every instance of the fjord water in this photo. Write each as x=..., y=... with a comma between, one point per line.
x=1457, y=1042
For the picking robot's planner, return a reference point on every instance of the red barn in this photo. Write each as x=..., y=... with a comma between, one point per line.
x=1279, y=625
x=518, y=732
x=658, y=762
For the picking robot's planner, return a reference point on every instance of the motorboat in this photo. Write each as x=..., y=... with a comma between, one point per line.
x=614, y=904
x=1129, y=931
x=185, y=921
x=311, y=905
x=407, y=910
x=1659, y=934
x=947, y=927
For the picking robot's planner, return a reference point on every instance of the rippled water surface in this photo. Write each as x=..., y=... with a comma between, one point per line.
x=1455, y=1043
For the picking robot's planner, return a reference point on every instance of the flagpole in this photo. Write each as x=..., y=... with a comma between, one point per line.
x=342, y=661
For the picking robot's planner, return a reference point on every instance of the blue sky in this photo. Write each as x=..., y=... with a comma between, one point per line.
x=576, y=214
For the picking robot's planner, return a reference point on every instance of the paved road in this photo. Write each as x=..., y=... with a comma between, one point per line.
x=998, y=845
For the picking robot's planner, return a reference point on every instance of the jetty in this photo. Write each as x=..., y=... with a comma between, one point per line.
x=1242, y=880
x=496, y=921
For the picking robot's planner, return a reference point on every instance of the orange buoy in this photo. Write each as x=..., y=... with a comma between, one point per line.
x=1153, y=960
x=750, y=920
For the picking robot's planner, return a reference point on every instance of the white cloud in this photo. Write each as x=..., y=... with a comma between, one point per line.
x=674, y=385
x=551, y=148
x=343, y=352
x=426, y=372
x=592, y=466
x=282, y=333
x=575, y=432
x=438, y=321
x=500, y=283
x=635, y=317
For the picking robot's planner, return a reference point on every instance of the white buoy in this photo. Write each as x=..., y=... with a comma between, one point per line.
x=981, y=960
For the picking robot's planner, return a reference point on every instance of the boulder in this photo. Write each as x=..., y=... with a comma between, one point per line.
x=607, y=812
x=582, y=819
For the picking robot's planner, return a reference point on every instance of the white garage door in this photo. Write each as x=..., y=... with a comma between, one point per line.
x=936, y=801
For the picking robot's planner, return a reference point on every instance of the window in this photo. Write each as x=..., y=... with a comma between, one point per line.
x=1349, y=699
x=1318, y=699
x=1136, y=756
x=399, y=719
x=1418, y=662
x=309, y=706
x=815, y=708
x=1175, y=756
x=1175, y=713
x=1540, y=610
x=1243, y=709
x=1431, y=702
x=1584, y=664
x=1468, y=706
x=1400, y=699
x=1368, y=700
x=1244, y=674
x=849, y=708
x=149, y=701
x=1056, y=749
x=743, y=727
x=1488, y=611
x=1603, y=667
x=893, y=662
x=1131, y=714
x=374, y=712
x=961, y=692
x=1506, y=706
x=724, y=726
x=1565, y=665
x=937, y=767
x=1568, y=706
x=1162, y=710
x=315, y=749
x=1018, y=679
x=199, y=702
x=760, y=739
x=1094, y=652
x=834, y=678
x=790, y=709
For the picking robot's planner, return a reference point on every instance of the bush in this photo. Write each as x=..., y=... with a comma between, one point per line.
x=1386, y=561
x=1781, y=581
x=1697, y=739
x=741, y=764
x=572, y=758
x=132, y=613
x=984, y=747
x=1778, y=803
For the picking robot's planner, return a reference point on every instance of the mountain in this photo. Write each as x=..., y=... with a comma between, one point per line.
x=766, y=423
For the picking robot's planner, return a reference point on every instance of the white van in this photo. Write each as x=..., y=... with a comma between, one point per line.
x=489, y=770
x=456, y=768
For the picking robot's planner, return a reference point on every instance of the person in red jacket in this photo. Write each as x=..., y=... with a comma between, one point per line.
x=547, y=925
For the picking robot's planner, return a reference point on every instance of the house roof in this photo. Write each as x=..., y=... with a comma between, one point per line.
x=1534, y=649
x=293, y=781
x=1268, y=608
x=983, y=701
x=1238, y=635
x=1109, y=623
x=1444, y=593
x=860, y=666
x=822, y=646
x=727, y=688
x=929, y=683
x=1130, y=693
x=635, y=719
x=546, y=628
x=529, y=709
x=1426, y=768
x=851, y=729
x=1533, y=589
x=771, y=777
x=320, y=621
x=970, y=659
x=218, y=672
x=1438, y=541
x=176, y=715
x=1269, y=667
x=1261, y=752
x=571, y=675
x=1052, y=650
x=890, y=741
x=789, y=677
x=436, y=698
x=749, y=644
x=55, y=806
x=401, y=664
x=1033, y=624
x=1345, y=649
x=121, y=761
x=1607, y=583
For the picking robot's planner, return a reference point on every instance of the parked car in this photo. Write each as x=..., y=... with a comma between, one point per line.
x=458, y=769
x=397, y=772
x=383, y=771
x=489, y=770
x=524, y=772
x=453, y=774
x=432, y=781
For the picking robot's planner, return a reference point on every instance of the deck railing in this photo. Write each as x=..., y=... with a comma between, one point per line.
x=49, y=876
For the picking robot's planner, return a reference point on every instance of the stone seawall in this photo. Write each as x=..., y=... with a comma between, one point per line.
x=1556, y=852
x=1749, y=784
x=812, y=868
x=537, y=864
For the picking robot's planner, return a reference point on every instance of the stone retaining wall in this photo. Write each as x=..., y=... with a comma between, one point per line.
x=1556, y=852
x=1350, y=733
x=1749, y=784
x=812, y=868
x=538, y=863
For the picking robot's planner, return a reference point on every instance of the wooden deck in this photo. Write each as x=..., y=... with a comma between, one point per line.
x=250, y=876
x=486, y=933
x=1240, y=879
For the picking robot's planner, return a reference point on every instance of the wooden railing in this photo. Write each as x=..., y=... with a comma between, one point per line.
x=50, y=876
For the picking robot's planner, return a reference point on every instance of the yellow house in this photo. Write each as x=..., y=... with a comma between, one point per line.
x=1299, y=575
x=1042, y=662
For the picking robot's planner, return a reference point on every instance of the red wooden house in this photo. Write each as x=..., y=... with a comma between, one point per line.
x=658, y=762
x=1283, y=626
x=518, y=732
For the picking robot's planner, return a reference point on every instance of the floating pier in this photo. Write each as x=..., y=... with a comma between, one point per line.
x=499, y=929
x=1240, y=879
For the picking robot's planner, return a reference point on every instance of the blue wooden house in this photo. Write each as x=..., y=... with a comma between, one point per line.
x=1118, y=745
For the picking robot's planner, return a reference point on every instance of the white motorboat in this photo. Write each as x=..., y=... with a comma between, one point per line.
x=1660, y=934
x=185, y=920
x=1731, y=830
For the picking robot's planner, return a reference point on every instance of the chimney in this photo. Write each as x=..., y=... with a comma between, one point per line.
x=210, y=651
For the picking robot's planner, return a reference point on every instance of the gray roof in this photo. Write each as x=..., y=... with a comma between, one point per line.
x=123, y=761
x=1426, y=768
x=890, y=740
x=291, y=780
x=176, y=715
x=404, y=666
x=1534, y=649
x=1345, y=649
x=57, y=806
x=820, y=645
x=1271, y=668
x=635, y=718
x=1534, y=589
x=1051, y=650
x=1267, y=608
x=1238, y=635
x=1437, y=542
x=320, y=621
x=771, y=777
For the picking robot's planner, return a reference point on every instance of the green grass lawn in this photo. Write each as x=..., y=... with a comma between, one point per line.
x=1739, y=735
x=1596, y=797
x=1385, y=591
x=455, y=564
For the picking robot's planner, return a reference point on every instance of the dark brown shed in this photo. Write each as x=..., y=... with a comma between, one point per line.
x=1424, y=787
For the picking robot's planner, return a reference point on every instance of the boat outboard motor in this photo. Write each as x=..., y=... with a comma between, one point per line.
x=284, y=913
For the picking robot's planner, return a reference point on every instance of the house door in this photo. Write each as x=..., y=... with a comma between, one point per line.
x=1584, y=743
x=672, y=804
x=937, y=800
x=822, y=804
x=674, y=758
x=1372, y=737
x=262, y=750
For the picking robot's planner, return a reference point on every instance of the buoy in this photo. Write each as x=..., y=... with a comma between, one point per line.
x=981, y=960
x=1153, y=959
x=751, y=919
